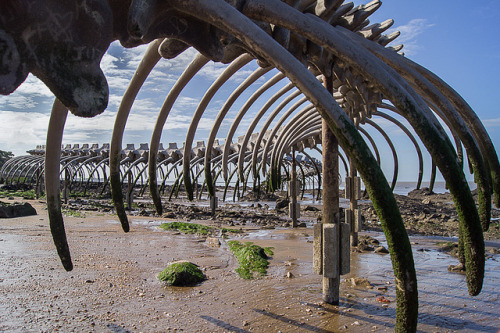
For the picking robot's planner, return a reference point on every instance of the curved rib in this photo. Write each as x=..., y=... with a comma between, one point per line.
x=256, y=119
x=406, y=100
x=393, y=150
x=277, y=126
x=372, y=143
x=52, y=183
x=413, y=140
x=194, y=67
x=226, y=75
x=227, y=144
x=220, y=116
x=267, y=124
x=151, y=57
x=481, y=135
x=458, y=126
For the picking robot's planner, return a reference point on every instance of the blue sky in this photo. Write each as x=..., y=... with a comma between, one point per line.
x=457, y=41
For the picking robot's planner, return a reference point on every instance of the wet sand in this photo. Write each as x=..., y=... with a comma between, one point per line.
x=113, y=287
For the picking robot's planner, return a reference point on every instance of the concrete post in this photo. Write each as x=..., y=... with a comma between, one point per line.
x=331, y=228
x=213, y=204
x=37, y=185
x=130, y=191
x=354, y=220
x=293, y=191
x=66, y=184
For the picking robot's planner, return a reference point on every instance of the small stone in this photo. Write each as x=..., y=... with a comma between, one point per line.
x=289, y=275
x=382, y=299
x=381, y=250
x=212, y=242
x=359, y=282
x=460, y=268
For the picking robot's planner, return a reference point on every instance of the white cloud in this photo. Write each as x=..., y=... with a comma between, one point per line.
x=28, y=96
x=409, y=34
x=491, y=123
x=34, y=86
x=21, y=131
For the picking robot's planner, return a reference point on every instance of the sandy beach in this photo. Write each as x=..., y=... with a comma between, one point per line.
x=113, y=287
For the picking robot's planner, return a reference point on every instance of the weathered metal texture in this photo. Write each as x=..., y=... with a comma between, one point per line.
x=335, y=39
x=413, y=140
x=230, y=70
x=146, y=65
x=52, y=159
x=218, y=121
x=184, y=79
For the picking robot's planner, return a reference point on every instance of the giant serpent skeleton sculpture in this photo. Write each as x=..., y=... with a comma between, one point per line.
x=63, y=43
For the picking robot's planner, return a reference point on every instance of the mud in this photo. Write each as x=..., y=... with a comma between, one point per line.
x=114, y=288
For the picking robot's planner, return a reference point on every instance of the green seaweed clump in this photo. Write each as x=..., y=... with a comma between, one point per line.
x=74, y=213
x=181, y=273
x=187, y=228
x=449, y=247
x=27, y=195
x=252, y=258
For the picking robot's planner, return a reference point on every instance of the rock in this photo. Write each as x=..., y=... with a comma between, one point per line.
x=281, y=204
x=369, y=240
x=364, y=247
x=16, y=210
x=212, y=242
x=144, y=212
x=427, y=201
x=381, y=249
x=311, y=209
x=493, y=250
x=302, y=225
x=289, y=275
x=181, y=273
x=382, y=299
x=460, y=268
x=360, y=282
x=421, y=192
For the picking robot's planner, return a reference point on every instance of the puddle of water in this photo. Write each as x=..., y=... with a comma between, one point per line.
x=443, y=298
